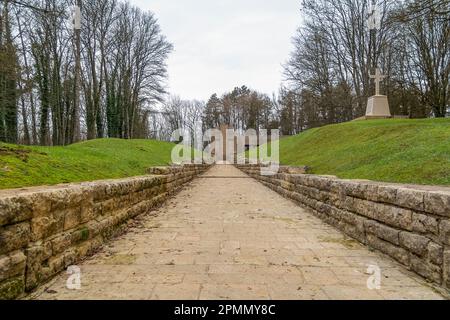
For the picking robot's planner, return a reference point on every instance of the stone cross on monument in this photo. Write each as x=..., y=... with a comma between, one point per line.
x=377, y=105
x=378, y=78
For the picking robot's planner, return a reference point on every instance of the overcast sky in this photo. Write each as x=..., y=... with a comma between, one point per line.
x=221, y=44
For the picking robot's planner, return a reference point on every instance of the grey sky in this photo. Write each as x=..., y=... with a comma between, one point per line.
x=220, y=44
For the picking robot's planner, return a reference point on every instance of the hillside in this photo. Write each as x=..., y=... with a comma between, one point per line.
x=404, y=151
x=87, y=161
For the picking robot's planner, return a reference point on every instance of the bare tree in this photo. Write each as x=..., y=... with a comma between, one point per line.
x=122, y=64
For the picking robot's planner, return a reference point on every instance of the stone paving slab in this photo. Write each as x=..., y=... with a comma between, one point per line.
x=228, y=238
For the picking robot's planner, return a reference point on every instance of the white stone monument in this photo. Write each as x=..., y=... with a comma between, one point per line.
x=378, y=105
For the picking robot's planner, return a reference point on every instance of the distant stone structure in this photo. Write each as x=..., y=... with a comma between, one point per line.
x=223, y=129
x=228, y=140
x=378, y=105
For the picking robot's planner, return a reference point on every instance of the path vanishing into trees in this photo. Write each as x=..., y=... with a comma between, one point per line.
x=225, y=236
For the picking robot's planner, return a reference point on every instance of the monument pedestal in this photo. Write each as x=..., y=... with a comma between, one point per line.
x=378, y=107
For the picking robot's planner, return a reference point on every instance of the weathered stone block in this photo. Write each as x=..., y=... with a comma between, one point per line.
x=298, y=179
x=323, y=196
x=348, y=218
x=298, y=197
x=425, y=224
x=12, y=288
x=12, y=265
x=105, y=225
x=384, y=232
x=72, y=218
x=287, y=185
x=393, y=216
x=47, y=249
x=351, y=230
x=97, y=209
x=160, y=170
x=87, y=208
x=444, y=231
x=338, y=188
x=386, y=194
x=34, y=274
x=108, y=206
x=435, y=253
x=139, y=209
x=87, y=213
x=398, y=253
x=98, y=192
x=15, y=209
x=365, y=208
x=294, y=170
x=350, y=204
x=62, y=242
x=45, y=226
x=313, y=193
x=55, y=265
x=390, y=215
x=324, y=183
x=411, y=199
x=402, y=217
x=355, y=189
x=372, y=192
x=14, y=237
x=59, y=198
x=415, y=243
x=42, y=204
x=446, y=269
x=301, y=189
x=70, y=257
x=425, y=269
x=93, y=228
x=438, y=203
x=334, y=200
x=75, y=196
x=88, y=248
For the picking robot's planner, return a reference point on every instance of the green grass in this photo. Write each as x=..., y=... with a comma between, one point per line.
x=401, y=151
x=87, y=161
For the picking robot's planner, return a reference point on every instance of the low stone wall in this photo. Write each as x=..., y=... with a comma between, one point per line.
x=45, y=230
x=409, y=223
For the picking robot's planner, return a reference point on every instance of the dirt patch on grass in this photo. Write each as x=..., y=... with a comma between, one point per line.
x=19, y=153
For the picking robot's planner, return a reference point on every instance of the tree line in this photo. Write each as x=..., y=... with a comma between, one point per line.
x=123, y=71
x=240, y=109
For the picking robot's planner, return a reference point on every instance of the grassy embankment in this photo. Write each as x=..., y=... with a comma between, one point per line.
x=87, y=161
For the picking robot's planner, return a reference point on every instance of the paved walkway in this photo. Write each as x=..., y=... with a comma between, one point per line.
x=233, y=238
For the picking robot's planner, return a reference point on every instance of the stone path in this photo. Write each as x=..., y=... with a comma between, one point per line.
x=233, y=238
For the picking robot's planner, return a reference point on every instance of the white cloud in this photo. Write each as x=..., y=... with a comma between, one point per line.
x=220, y=44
